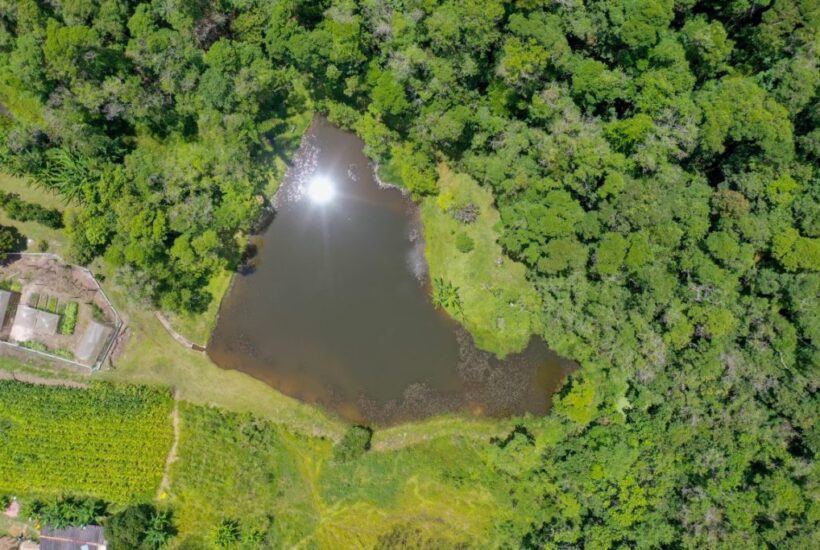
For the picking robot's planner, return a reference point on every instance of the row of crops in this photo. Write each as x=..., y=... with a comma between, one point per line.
x=67, y=311
x=109, y=441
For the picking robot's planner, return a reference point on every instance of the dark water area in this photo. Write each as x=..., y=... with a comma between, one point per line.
x=334, y=308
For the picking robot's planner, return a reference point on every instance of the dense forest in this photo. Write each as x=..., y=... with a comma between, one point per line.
x=654, y=163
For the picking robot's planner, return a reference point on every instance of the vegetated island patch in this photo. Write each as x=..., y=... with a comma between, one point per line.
x=498, y=305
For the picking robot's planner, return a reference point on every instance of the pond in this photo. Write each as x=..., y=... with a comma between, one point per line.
x=334, y=308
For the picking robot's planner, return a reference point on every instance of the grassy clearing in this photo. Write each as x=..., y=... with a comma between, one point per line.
x=109, y=441
x=499, y=305
x=440, y=427
x=258, y=478
x=57, y=240
x=198, y=328
x=288, y=487
x=33, y=367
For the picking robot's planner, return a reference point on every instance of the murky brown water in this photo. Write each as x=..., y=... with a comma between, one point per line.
x=336, y=310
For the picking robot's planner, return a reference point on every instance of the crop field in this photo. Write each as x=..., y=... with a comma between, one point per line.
x=109, y=441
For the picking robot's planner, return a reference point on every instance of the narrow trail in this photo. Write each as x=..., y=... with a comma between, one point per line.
x=165, y=485
x=175, y=335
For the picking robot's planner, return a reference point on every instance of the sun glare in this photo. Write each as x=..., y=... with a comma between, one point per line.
x=320, y=189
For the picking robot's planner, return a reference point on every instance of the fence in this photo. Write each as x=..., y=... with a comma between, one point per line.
x=118, y=322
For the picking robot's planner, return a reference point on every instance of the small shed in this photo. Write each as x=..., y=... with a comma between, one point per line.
x=92, y=342
x=90, y=537
x=30, y=322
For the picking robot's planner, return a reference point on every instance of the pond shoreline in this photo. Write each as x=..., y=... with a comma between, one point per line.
x=374, y=239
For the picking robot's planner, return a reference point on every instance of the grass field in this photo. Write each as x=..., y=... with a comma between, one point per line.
x=287, y=486
x=109, y=441
x=499, y=304
x=36, y=367
x=56, y=239
x=198, y=328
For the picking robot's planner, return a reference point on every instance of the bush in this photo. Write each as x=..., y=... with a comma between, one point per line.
x=23, y=211
x=98, y=314
x=446, y=295
x=10, y=241
x=11, y=285
x=67, y=511
x=68, y=322
x=354, y=444
x=35, y=345
x=464, y=243
x=226, y=534
x=141, y=526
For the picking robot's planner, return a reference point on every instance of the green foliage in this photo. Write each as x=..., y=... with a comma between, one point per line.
x=226, y=534
x=445, y=296
x=464, y=243
x=579, y=403
x=764, y=121
x=653, y=164
x=68, y=322
x=258, y=478
x=10, y=241
x=59, y=513
x=415, y=170
x=18, y=209
x=354, y=444
x=34, y=345
x=498, y=303
x=139, y=527
x=109, y=442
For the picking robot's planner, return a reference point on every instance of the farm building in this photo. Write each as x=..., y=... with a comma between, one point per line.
x=89, y=537
x=92, y=341
x=30, y=322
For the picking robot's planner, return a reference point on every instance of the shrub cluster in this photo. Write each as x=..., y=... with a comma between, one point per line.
x=20, y=210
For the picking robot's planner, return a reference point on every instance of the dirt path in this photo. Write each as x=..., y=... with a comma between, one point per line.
x=165, y=485
x=43, y=381
x=175, y=335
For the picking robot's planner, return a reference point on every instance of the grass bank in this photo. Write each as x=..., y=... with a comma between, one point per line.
x=57, y=239
x=499, y=305
x=151, y=356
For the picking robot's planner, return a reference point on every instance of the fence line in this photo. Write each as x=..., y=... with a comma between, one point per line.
x=118, y=322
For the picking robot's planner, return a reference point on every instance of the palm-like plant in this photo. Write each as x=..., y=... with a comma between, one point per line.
x=159, y=531
x=65, y=172
x=445, y=295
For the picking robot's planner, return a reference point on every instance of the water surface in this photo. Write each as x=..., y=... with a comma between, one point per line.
x=336, y=308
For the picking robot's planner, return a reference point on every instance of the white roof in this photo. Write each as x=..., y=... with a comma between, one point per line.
x=5, y=297
x=92, y=342
x=29, y=322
